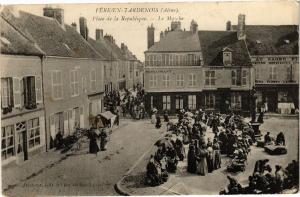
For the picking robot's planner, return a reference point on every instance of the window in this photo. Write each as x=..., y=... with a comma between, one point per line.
x=257, y=73
x=74, y=83
x=29, y=92
x=289, y=73
x=236, y=77
x=166, y=102
x=59, y=122
x=191, y=59
x=171, y=60
x=6, y=92
x=33, y=128
x=192, y=102
x=131, y=70
x=192, y=79
x=104, y=70
x=273, y=73
x=93, y=80
x=153, y=81
x=179, y=102
x=210, y=78
x=210, y=101
x=7, y=145
x=179, y=80
x=57, y=84
x=244, y=77
x=84, y=84
x=167, y=60
x=176, y=60
x=166, y=80
x=151, y=102
x=227, y=58
x=236, y=101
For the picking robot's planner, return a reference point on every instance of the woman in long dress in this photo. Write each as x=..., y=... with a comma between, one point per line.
x=210, y=158
x=217, y=154
x=201, y=161
x=192, y=163
x=94, y=148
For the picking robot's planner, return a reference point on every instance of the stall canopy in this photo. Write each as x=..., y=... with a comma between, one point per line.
x=108, y=118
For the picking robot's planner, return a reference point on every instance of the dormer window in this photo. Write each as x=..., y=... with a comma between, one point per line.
x=287, y=41
x=258, y=42
x=227, y=56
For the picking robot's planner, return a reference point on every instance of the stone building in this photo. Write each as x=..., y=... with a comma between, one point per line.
x=275, y=57
x=196, y=69
x=22, y=103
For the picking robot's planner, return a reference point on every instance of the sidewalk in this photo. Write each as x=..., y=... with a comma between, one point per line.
x=37, y=164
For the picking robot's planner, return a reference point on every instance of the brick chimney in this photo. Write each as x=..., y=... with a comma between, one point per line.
x=150, y=36
x=109, y=38
x=228, y=26
x=194, y=27
x=161, y=35
x=175, y=25
x=123, y=46
x=83, y=28
x=241, y=34
x=99, y=34
x=55, y=13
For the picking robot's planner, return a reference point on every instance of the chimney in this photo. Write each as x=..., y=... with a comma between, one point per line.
x=123, y=46
x=74, y=26
x=175, y=25
x=83, y=28
x=55, y=13
x=99, y=34
x=109, y=38
x=228, y=26
x=194, y=27
x=150, y=36
x=241, y=34
x=161, y=35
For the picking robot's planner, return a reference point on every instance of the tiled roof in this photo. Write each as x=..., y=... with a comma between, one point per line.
x=177, y=41
x=213, y=42
x=100, y=47
x=53, y=38
x=272, y=40
x=14, y=43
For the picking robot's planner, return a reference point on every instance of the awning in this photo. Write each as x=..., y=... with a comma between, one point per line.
x=107, y=115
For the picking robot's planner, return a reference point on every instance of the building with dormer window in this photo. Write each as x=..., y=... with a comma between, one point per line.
x=196, y=69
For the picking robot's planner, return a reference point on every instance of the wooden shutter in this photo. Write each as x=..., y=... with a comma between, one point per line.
x=38, y=89
x=52, y=126
x=81, y=121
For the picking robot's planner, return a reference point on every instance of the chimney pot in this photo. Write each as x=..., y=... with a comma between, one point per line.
x=83, y=28
x=150, y=36
x=228, y=26
x=99, y=34
x=241, y=34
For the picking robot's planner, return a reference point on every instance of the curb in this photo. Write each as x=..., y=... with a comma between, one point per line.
x=118, y=186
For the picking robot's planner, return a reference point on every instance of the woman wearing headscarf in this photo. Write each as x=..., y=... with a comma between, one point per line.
x=201, y=161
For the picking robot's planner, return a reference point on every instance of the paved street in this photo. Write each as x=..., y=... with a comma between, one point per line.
x=86, y=174
x=185, y=183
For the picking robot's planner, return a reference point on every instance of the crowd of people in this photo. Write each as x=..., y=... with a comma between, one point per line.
x=265, y=181
x=232, y=137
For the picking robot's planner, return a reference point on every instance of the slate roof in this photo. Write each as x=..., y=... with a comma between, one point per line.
x=14, y=43
x=213, y=42
x=177, y=41
x=270, y=40
x=53, y=38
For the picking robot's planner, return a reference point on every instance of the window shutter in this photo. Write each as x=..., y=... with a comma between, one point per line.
x=38, y=89
x=4, y=92
x=16, y=92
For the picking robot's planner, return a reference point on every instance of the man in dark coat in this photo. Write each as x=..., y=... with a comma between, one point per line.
x=267, y=138
x=158, y=122
x=260, y=166
x=103, y=139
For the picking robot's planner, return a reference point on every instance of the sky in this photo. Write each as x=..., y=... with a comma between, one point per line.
x=208, y=15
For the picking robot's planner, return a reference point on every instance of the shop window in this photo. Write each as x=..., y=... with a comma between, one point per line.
x=192, y=102
x=33, y=129
x=179, y=102
x=166, y=102
x=210, y=100
x=7, y=146
x=236, y=101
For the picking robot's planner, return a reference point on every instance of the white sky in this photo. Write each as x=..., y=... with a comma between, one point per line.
x=209, y=16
